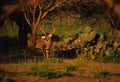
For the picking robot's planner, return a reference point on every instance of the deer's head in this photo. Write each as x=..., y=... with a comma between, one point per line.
x=47, y=36
x=46, y=39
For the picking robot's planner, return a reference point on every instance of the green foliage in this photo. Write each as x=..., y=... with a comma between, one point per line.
x=45, y=72
x=42, y=71
x=10, y=30
x=114, y=59
x=70, y=68
x=87, y=40
x=100, y=74
x=76, y=37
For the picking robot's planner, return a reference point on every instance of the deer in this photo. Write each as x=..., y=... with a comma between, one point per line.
x=42, y=42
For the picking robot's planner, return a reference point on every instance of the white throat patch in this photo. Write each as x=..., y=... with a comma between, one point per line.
x=43, y=37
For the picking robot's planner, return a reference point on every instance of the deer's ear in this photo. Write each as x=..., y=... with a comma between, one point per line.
x=50, y=35
x=42, y=37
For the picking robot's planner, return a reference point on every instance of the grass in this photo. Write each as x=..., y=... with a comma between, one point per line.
x=109, y=59
x=101, y=74
x=44, y=72
x=45, y=68
x=54, y=68
x=52, y=60
x=51, y=68
x=70, y=68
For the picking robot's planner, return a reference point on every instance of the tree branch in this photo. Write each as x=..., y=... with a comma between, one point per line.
x=28, y=21
x=39, y=16
x=30, y=8
x=57, y=4
x=33, y=14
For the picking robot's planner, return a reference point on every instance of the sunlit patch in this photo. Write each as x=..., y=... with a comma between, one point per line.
x=85, y=49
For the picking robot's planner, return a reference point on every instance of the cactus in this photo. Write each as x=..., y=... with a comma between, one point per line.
x=87, y=34
x=88, y=43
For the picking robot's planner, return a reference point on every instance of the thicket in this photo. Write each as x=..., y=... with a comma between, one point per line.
x=81, y=30
x=77, y=39
x=88, y=42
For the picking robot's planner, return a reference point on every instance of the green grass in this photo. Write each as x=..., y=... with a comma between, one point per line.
x=45, y=72
x=52, y=60
x=52, y=68
x=109, y=59
x=100, y=74
x=70, y=68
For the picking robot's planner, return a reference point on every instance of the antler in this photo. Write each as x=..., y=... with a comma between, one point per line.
x=53, y=29
x=43, y=31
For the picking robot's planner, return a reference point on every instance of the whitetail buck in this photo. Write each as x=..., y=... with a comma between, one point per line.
x=42, y=42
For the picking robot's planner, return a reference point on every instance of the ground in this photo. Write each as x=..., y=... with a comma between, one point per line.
x=82, y=71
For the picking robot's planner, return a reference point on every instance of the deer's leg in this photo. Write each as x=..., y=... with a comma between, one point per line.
x=43, y=51
x=47, y=53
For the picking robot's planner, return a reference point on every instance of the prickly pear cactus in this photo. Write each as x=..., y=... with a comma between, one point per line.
x=87, y=34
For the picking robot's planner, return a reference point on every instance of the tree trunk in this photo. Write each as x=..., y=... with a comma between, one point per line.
x=33, y=33
x=113, y=14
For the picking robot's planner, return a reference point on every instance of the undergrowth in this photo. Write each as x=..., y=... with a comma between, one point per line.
x=73, y=40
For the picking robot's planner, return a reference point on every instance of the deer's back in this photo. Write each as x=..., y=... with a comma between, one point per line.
x=43, y=43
